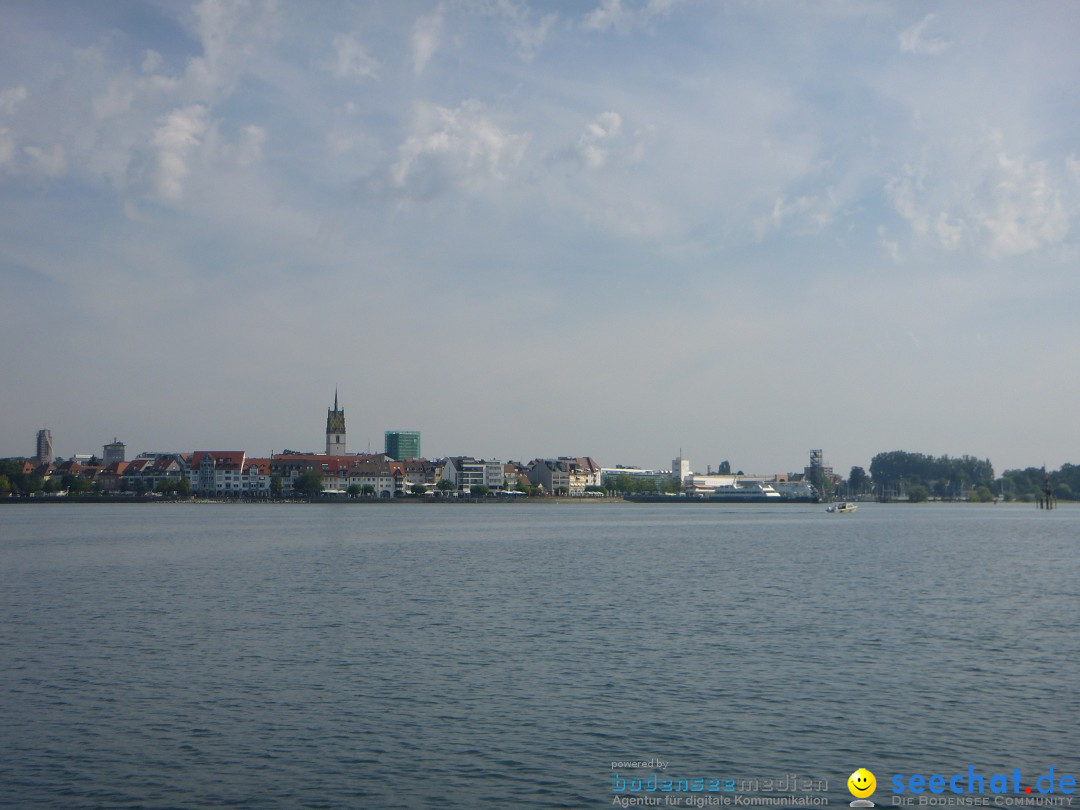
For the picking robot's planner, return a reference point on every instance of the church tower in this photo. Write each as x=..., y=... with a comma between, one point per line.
x=335, y=430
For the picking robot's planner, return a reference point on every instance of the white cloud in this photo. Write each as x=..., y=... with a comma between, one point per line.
x=177, y=135
x=351, y=61
x=247, y=151
x=188, y=138
x=998, y=203
x=1072, y=167
x=950, y=234
x=613, y=15
x=455, y=148
x=426, y=36
x=51, y=161
x=230, y=31
x=916, y=40
x=114, y=101
x=216, y=22
x=151, y=61
x=11, y=98
x=812, y=212
x=604, y=143
x=594, y=145
x=892, y=247
x=1025, y=211
x=7, y=145
x=527, y=35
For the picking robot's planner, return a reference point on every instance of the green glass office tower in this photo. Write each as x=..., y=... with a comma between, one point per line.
x=402, y=444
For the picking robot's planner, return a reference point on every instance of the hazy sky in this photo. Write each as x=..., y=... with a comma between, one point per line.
x=746, y=229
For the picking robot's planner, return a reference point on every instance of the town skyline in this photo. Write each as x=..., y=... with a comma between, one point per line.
x=616, y=227
x=336, y=446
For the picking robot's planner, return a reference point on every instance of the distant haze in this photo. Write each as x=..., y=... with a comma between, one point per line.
x=613, y=229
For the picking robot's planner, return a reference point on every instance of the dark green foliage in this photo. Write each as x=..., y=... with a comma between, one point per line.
x=944, y=476
x=308, y=484
x=918, y=494
x=1027, y=484
x=858, y=481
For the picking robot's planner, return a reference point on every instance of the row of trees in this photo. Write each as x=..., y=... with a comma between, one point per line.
x=920, y=477
x=1028, y=484
x=624, y=484
x=899, y=472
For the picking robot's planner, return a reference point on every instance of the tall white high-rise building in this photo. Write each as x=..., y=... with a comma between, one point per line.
x=680, y=468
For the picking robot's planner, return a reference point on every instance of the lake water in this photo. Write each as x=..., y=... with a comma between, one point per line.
x=381, y=656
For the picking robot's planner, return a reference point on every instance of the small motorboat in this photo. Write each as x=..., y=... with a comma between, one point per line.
x=842, y=508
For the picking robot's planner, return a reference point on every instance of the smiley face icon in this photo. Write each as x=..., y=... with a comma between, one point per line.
x=861, y=783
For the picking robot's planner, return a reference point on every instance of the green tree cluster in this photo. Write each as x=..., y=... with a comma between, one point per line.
x=1027, y=484
x=943, y=477
x=18, y=482
x=918, y=494
x=174, y=486
x=308, y=484
x=625, y=484
x=858, y=481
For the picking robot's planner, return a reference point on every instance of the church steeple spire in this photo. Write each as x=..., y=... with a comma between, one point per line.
x=335, y=429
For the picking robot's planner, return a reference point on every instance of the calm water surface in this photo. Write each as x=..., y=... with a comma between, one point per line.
x=504, y=655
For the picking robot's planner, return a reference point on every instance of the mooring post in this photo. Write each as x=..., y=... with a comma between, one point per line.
x=1048, y=492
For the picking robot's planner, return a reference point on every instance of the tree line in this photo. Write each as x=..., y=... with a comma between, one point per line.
x=898, y=472
x=918, y=476
x=1027, y=484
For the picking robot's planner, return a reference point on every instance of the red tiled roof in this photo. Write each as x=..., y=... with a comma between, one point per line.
x=260, y=464
x=223, y=459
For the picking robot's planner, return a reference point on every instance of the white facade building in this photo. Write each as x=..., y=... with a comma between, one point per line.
x=464, y=472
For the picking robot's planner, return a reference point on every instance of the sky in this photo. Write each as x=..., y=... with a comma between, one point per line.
x=615, y=228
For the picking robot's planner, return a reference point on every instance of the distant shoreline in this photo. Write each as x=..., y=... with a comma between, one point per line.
x=134, y=499
x=407, y=502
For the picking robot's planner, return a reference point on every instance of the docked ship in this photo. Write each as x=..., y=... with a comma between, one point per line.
x=727, y=487
x=757, y=492
x=770, y=492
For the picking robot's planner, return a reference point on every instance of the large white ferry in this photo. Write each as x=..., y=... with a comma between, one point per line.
x=753, y=493
x=749, y=492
